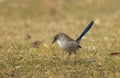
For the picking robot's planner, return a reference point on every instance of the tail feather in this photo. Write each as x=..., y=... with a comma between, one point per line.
x=85, y=31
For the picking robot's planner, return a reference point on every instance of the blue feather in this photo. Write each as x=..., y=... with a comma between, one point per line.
x=85, y=31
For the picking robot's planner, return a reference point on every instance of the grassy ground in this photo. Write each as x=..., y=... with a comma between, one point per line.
x=27, y=29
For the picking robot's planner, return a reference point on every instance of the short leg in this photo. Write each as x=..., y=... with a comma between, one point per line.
x=69, y=56
x=75, y=60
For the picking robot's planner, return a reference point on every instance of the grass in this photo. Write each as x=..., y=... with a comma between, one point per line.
x=35, y=57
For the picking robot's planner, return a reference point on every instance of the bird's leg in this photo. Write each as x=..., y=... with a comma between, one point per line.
x=69, y=56
x=75, y=60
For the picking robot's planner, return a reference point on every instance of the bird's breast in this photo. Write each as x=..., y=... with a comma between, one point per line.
x=62, y=44
x=68, y=45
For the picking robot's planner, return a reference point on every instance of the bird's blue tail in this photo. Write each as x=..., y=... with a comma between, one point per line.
x=85, y=31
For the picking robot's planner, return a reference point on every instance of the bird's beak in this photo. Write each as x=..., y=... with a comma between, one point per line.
x=53, y=41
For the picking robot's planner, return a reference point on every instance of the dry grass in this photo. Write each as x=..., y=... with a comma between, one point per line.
x=27, y=28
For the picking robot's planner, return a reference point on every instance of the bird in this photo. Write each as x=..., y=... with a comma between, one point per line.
x=68, y=44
